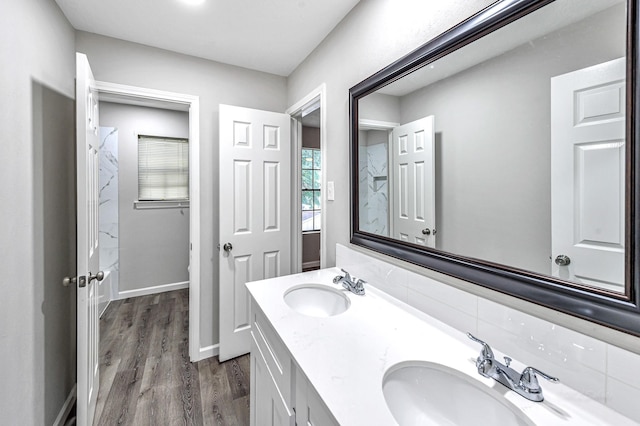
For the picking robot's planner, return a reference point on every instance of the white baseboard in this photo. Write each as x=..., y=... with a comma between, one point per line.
x=312, y=264
x=209, y=351
x=152, y=290
x=66, y=407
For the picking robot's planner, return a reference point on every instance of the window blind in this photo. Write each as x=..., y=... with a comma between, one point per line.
x=163, y=168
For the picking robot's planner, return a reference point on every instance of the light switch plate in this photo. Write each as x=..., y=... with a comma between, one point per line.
x=330, y=191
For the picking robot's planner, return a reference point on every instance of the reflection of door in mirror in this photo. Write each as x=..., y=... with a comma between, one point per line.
x=588, y=175
x=413, y=211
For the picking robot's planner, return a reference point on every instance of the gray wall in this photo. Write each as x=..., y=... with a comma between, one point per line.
x=374, y=34
x=310, y=247
x=380, y=107
x=122, y=62
x=501, y=155
x=154, y=243
x=36, y=48
x=310, y=137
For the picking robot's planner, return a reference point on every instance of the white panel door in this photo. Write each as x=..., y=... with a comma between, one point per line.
x=87, y=170
x=588, y=175
x=414, y=206
x=255, y=213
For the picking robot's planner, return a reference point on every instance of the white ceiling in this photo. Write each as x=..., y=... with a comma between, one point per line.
x=274, y=36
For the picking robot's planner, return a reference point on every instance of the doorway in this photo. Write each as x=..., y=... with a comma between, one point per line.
x=138, y=96
x=307, y=195
x=144, y=200
x=311, y=187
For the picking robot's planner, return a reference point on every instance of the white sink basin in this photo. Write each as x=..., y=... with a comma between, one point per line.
x=424, y=393
x=316, y=300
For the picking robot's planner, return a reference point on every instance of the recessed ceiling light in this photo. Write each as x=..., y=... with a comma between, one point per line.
x=193, y=2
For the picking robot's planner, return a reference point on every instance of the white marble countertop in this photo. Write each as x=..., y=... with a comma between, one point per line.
x=345, y=356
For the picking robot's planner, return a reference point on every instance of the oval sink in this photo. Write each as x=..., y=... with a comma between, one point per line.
x=316, y=300
x=424, y=393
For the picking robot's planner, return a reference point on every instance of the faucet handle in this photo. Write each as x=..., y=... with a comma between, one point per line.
x=359, y=286
x=529, y=380
x=347, y=275
x=486, y=353
x=339, y=278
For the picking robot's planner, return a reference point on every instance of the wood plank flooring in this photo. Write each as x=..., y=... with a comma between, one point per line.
x=145, y=374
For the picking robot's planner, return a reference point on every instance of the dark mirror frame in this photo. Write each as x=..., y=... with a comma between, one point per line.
x=618, y=311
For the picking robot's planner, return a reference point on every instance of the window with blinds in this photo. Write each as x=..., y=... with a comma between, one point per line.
x=163, y=168
x=311, y=179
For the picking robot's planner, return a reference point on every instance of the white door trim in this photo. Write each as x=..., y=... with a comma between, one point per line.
x=320, y=93
x=132, y=95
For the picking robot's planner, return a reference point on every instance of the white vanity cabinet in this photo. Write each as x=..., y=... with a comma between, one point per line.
x=317, y=370
x=271, y=378
x=310, y=411
x=267, y=406
x=280, y=393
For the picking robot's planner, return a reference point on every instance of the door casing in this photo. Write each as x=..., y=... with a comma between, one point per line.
x=318, y=94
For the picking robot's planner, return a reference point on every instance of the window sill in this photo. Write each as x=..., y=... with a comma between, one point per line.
x=172, y=204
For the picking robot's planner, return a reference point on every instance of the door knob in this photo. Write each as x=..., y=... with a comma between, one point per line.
x=426, y=231
x=562, y=260
x=99, y=276
x=68, y=280
x=227, y=247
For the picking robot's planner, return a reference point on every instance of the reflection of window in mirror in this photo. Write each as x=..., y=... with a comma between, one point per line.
x=311, y=178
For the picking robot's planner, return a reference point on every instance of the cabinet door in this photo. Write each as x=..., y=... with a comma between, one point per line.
x=310, y=409
x=267, y=406
x=318, y=414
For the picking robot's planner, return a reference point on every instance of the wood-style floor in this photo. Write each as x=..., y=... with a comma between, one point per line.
x=145, y=374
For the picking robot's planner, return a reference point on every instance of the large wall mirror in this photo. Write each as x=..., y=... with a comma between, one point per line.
x=503, y=152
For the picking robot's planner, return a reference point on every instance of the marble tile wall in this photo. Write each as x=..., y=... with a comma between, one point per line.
x=108, y=220
x=605, y=373
x=374, y=189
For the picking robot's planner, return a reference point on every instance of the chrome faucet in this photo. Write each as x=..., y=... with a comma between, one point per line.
x=525, y=384
x=352, y=284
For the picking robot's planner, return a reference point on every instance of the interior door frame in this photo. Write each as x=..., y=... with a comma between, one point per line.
x=132, y=95
x=319, y=94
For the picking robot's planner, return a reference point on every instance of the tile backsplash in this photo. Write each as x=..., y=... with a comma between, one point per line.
x=605, y=373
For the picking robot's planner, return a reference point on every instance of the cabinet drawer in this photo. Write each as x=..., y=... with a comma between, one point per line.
x=275, y=354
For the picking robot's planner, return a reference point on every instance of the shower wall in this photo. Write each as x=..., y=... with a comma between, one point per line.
x=108, y=222
x=374, y=184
